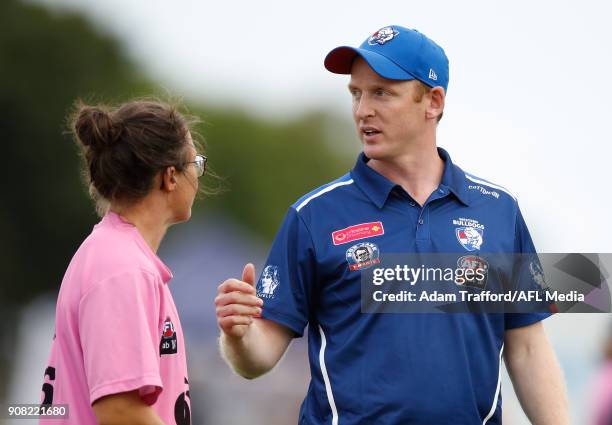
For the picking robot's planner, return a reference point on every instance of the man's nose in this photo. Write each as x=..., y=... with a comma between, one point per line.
x=364, y=108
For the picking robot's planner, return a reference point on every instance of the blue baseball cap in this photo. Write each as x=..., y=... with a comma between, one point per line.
x=396, y=53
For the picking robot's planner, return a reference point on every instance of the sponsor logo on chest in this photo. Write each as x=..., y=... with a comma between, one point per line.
x=362, y=256
x=358, y=231
x=484, y=191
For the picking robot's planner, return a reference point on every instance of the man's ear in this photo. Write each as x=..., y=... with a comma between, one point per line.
x=436, y=98
x=168, y=179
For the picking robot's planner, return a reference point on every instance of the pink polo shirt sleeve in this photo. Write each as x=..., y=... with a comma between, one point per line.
x=119, y=330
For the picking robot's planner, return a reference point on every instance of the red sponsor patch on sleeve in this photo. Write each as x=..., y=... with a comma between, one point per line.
x=358, y=231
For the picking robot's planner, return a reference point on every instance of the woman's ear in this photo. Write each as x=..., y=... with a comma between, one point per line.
x=168, y=179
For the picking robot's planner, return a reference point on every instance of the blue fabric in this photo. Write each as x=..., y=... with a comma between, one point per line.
x=429, y=369
x=396, y=53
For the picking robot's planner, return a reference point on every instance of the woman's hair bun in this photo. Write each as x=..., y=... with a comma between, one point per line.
x=94, y=127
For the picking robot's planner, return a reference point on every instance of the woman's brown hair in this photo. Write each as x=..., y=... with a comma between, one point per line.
x=126, y=146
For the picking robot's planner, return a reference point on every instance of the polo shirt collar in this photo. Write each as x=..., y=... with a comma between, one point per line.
x=453, y=178
x=377, y=187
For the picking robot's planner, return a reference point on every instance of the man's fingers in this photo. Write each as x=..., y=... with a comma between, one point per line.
x=248, y=274
x=237, y=303
x=238, y=298
x=227, y=323
x=238, y=310
x=231, y=285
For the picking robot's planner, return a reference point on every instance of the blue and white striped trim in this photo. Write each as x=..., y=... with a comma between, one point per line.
x=323, y=191
x=328, y=389
x=487, y=183
x=497, y=390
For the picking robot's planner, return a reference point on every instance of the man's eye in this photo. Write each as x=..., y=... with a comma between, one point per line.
x=379, y=92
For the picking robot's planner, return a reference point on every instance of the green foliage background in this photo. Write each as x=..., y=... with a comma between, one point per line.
x=47, y=60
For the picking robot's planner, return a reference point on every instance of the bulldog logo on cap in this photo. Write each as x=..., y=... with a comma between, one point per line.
x=382, y=36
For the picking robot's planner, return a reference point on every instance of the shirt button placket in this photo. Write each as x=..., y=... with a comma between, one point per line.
x=422, y=228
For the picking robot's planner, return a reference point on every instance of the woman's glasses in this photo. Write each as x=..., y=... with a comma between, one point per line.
x=200, y=164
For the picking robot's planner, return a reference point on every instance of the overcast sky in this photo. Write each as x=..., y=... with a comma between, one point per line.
x=528, y=97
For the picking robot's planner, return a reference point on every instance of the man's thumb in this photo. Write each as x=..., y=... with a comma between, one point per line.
x=248, y=274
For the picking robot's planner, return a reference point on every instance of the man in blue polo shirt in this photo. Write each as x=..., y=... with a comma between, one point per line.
x=404, y=195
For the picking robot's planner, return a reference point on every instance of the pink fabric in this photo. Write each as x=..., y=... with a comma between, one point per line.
x=117, y=328
x=603, y=396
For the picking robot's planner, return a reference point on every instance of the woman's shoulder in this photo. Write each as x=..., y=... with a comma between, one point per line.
x=110, y=252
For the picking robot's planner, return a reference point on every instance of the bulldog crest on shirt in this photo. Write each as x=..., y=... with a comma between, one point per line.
x=470, y=234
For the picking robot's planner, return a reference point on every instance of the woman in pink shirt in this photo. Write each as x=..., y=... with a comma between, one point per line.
x=602, y=402
x=118, y=354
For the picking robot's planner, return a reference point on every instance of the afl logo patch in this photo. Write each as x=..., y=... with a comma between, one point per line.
x=475, y=270
x=362, y=256
x=382, y=36
x=168, y=344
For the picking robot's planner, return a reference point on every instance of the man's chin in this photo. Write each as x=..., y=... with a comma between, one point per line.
x=376, y=152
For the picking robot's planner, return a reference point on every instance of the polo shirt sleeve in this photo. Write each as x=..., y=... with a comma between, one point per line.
x=286, y=282
x=524, y=275
x=118, y=328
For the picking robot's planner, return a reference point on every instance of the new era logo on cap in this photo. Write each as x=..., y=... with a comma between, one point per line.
x=433, y=75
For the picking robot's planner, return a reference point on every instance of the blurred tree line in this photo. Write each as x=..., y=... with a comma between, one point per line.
x=47, y=60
